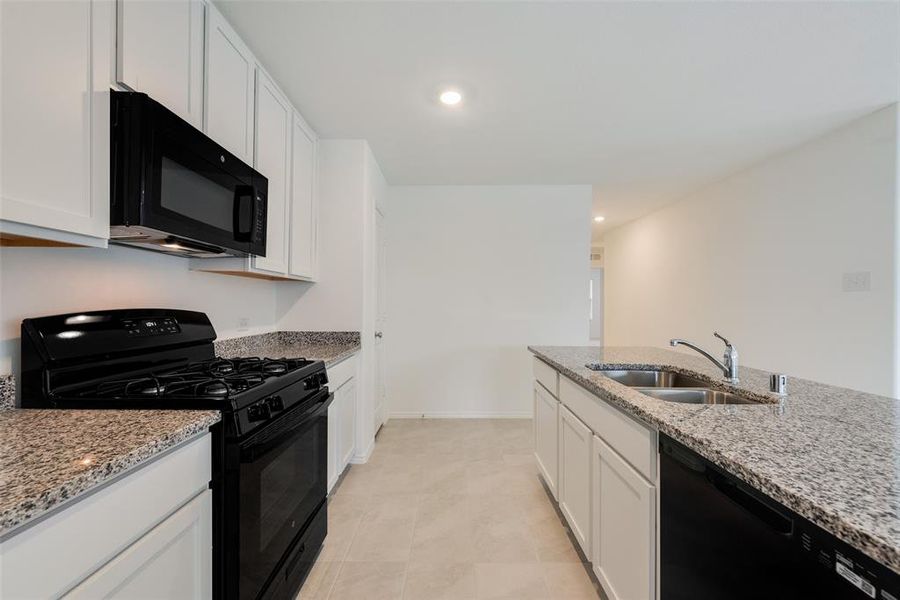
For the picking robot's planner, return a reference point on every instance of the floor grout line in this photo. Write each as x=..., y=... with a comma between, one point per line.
x=425, y=444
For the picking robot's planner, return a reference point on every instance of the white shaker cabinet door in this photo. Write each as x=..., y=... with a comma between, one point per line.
x=304, y=214
x=546, y=435
x=273, y=152
x=230, y=73
x=54, y=113
x=575, y=442
x=334, y=442
x=624, y=528
x=160, y=53
x=173, y=560
x=348, y=422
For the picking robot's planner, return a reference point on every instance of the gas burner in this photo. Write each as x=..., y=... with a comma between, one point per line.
x=221, y=367
x=143, y=387
x=214, y=379
x=213, y=388
x=275, y=368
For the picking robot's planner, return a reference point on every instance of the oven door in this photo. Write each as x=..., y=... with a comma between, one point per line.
x=282, y=484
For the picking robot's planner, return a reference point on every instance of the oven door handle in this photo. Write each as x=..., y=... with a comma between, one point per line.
x=285, y=426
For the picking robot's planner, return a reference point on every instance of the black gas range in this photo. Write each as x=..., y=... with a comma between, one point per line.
x=269, y=463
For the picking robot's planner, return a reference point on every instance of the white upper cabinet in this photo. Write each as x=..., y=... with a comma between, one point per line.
x=273, y=159
x=160, y=52
x=54, y=110
x=230, y=72
x=303, y=205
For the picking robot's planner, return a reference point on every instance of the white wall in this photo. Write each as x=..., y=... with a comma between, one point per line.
x=45, y=281
x=335, y=301
x=350, y=186
x=474, y=275
x=759, y=256
x=596, y=324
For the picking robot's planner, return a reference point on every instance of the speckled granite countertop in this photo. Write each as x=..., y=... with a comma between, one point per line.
x=50, y=456
x=829, y=453
x=330, y=346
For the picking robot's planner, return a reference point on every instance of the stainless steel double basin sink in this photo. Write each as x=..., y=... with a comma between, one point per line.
x=671, y=386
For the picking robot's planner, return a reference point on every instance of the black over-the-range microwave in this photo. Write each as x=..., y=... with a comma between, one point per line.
x=175, y=190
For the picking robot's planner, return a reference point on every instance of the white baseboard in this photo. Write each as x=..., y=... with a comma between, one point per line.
x=360, y=458
x=461, y=415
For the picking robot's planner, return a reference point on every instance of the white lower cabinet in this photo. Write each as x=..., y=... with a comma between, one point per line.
x=624, y=527
x=341, y=418
x=146, y=535
x=575, y=441
x=601, y=465
x=348, y=422
x=546, y=435
x=174, y=560
x=334, y=435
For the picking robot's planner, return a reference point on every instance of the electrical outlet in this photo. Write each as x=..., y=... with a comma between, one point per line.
x=243, y=324
x=858, y=281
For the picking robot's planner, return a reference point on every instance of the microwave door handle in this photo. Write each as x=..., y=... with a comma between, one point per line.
x=241, y=193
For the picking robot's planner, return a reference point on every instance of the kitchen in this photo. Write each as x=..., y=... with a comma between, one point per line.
x=356, y=361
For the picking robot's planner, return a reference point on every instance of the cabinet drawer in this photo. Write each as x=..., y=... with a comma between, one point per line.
x=547, y=375
x=174, y=560
x=340, y=373
x=635, y=442
x=49, y=558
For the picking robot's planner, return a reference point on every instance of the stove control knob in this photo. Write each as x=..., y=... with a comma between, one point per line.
x=258, y=412
x=275, y=403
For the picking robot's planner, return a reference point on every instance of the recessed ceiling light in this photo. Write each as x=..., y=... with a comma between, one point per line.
x=450, y=97
x=599, y=219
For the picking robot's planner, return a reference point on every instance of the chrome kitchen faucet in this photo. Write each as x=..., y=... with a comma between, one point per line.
x=729, y=366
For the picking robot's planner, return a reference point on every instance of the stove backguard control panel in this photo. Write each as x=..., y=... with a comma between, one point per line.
x=154, y=326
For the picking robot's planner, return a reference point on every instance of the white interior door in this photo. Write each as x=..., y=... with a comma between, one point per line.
x=380, y=393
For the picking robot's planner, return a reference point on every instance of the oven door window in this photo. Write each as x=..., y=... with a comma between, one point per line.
x=282, y=485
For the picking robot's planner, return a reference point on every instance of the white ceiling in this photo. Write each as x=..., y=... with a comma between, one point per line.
x=645, y=101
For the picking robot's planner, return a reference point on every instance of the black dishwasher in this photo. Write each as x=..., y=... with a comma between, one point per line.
x=721, y=539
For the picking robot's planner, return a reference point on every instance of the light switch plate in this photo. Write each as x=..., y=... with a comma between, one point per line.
x=858, y=281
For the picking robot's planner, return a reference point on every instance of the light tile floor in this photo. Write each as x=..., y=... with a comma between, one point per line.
x=447, y=510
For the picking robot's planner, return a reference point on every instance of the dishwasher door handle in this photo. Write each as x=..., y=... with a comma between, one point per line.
x=769, y=515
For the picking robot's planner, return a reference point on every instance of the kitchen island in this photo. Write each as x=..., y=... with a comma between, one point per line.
x=825, y=452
